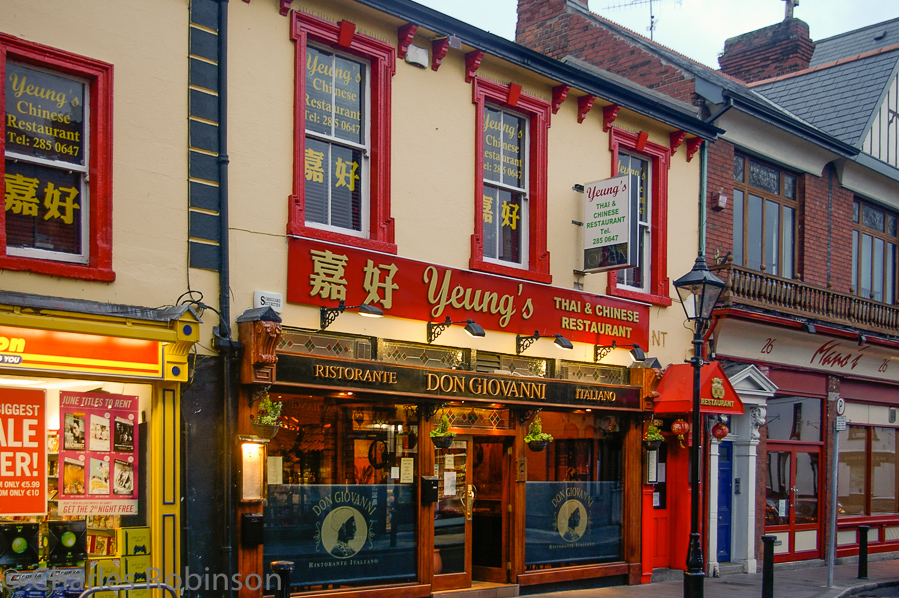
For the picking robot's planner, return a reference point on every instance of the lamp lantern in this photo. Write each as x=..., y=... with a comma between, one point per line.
x=699, y=291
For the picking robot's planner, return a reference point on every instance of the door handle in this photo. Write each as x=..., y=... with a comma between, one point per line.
x=472, y=491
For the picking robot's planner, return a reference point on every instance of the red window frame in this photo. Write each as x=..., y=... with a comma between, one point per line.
x=98, y=237
x=660, y=158
x=382, y=58
x=537, y=112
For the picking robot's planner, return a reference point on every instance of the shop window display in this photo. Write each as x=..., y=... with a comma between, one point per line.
x=574, y=492
x=341, y=495
x=72, y=480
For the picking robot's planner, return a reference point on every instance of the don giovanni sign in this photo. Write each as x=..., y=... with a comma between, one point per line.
x=609, y=229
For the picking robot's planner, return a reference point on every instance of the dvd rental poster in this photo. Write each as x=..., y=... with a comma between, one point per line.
x=99, y=454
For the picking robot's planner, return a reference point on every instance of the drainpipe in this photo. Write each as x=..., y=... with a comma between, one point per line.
x=228, y=349
x=703, y=192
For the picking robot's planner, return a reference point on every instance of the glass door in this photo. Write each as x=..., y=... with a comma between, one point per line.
x=791, y=502
x=453, y=515
x=471, y=518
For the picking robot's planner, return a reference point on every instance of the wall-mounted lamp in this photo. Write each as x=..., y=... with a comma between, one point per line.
x=862, y=339
x=435, y=329
x=329, y=314
x=809, y=327
x=601, y=351
x=523, y=342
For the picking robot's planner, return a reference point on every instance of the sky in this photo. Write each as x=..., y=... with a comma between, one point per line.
x=695, y=28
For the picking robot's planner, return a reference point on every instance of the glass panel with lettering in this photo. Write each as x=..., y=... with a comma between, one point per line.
x=342, y=493
x=504, y=212
x=336, y=163
x=47, y=208
x=638, y=170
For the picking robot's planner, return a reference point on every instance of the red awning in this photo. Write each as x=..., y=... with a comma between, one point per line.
x=716, y=395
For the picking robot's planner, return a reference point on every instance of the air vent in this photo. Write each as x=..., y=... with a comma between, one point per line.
x=363, y=350
x=488, y=363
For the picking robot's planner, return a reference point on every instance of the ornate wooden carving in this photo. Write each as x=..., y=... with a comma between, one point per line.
x=584, y=103
x=676, y=138
x=439, y=48
x=404, y=38
x=472, y=64
x=693, y=145
x=260, y=340
x=560, y=92
x=609, y=114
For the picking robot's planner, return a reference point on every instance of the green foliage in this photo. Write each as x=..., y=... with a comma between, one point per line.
x=442, y=428
x=268, y=412
x=536, y=433
x=652, y=434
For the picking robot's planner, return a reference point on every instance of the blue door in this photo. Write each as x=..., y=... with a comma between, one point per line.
x=725, y=499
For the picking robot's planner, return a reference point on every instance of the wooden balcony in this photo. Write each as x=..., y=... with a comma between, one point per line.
x=757, y=289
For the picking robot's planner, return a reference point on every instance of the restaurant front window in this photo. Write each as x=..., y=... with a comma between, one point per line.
x=341, y=500
x=574, y=492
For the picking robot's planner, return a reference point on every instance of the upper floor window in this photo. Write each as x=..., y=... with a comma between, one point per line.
x=764, y=232
x=57, y=165
x=873, y=252
x=505, y=209
x=510, y=194
x=342, y=169
x=647, y=165
x=638, y=170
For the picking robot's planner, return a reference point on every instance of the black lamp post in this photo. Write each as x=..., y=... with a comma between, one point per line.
x=699, y=291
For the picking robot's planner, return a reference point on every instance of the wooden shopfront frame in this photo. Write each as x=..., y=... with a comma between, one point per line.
x=523, y=396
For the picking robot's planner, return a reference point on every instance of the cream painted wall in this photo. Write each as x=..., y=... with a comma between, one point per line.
x=433, y=176
x=147, y=44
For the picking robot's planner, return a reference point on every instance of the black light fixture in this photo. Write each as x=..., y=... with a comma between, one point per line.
x=329, y=314
x=601, y=351
x=809, y=327
x=862, y=339
x=472, y=328
x=699, y=291
x=523, y=342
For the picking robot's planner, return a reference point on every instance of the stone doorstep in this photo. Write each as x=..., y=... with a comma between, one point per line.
x=481, y=590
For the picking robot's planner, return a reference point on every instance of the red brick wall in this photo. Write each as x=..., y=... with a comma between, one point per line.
x=769, y=52
x=720, y=223
x=545, y=26
x=825, y=233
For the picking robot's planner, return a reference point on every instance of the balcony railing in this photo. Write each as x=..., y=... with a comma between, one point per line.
x=749, y=287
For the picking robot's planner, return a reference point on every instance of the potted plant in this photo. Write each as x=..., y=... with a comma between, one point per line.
x=652, y=438
x=441, y=435
x=267, y=420
x=537, y=439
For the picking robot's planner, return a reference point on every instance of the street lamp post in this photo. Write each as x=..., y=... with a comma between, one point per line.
x=699, y=291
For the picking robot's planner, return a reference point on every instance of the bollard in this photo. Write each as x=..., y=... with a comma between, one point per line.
x=863, y=551
x=283, y=569
x=768, y=566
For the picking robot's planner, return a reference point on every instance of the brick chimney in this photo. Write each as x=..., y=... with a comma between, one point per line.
x=769, y=52
x=543, y=25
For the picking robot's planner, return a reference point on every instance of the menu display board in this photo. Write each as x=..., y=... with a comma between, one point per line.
x=98, y=457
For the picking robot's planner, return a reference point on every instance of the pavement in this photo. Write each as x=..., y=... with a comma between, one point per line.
x=791, y=580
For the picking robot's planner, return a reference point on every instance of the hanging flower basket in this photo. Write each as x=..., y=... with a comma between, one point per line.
x=538, y=445
x=267, y=431
x=443, y=442
x=652, y=444
x=441, y=436
x=652, y=439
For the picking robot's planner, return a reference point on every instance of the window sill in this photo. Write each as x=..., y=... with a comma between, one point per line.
x=63, y=269
x=334, y=237
x=662, y=300
x=508, y=271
